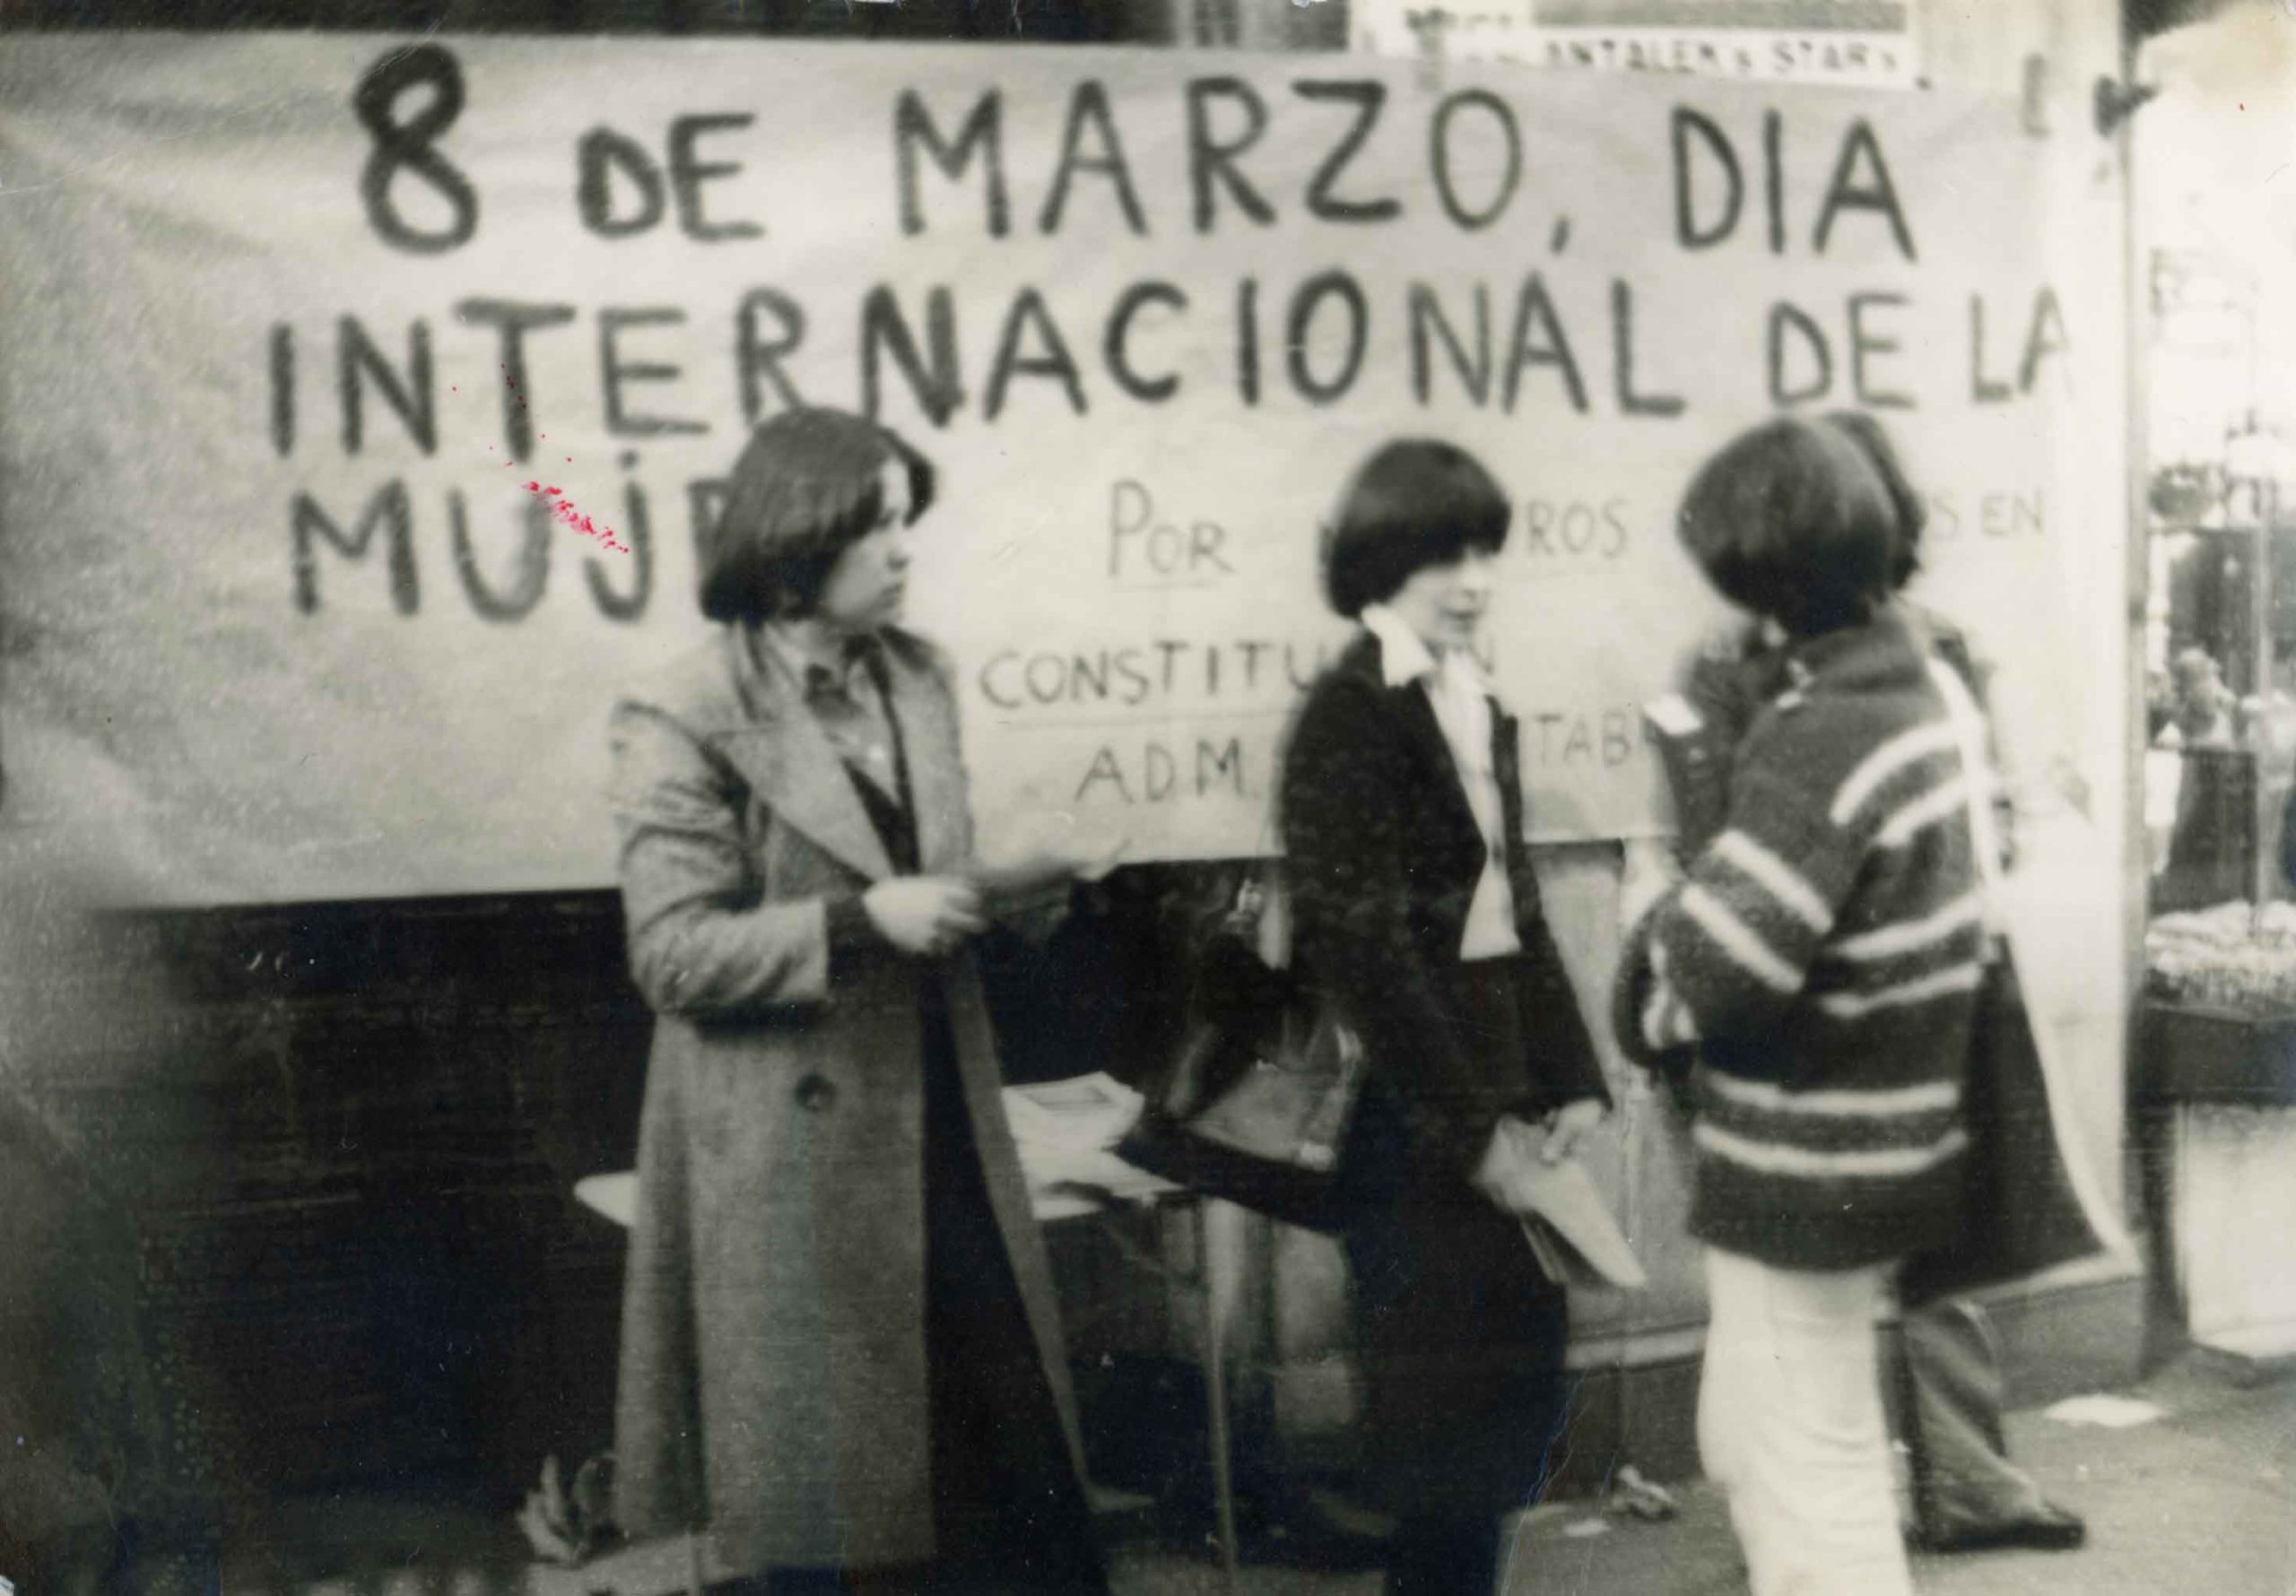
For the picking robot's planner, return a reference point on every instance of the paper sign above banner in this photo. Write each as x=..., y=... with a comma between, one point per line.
x=1868, y=44
x=358, y=401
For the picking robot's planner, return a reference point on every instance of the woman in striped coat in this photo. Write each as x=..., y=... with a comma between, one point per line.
x=1824, y=956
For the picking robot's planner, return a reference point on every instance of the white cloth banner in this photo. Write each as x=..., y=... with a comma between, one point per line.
x=289, y=324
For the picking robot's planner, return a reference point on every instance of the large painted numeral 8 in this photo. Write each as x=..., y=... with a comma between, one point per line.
x=408, y=145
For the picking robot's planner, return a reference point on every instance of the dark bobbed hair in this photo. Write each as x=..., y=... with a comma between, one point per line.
x=807, y=487
x=1793, y=521
x=1872, y=440
x=1416, y=502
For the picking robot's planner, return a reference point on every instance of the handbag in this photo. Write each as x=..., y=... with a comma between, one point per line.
x=2019, y=1212
x=2023, y=1207
x=1255, y=1104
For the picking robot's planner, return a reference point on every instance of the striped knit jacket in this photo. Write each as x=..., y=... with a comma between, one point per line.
x=1824, y=954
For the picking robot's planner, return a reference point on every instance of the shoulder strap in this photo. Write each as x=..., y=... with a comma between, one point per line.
x=1969, y=734
x=1274, y=903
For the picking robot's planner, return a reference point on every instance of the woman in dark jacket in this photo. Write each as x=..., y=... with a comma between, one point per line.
x=1823, y=957
x=839, y=1350
x=1416, y=912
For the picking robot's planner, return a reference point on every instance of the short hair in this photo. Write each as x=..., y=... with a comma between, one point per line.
x=1416, y=502
x=1792, y=521
x=1872, y=440
x=807, y=487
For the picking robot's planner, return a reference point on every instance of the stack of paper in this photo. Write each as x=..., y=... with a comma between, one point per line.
x=1082, y=1113
x=1571, y=1231
x=1064, y=1130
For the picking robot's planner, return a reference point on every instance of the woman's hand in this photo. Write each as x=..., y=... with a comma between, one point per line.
x=1517, y=1147
x=1495, y=1176
x=925, y=916
x=1567, y=1127
x=1509, y=1163
x=1648, y=874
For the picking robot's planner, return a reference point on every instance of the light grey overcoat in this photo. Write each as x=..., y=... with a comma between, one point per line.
x=773, y=1378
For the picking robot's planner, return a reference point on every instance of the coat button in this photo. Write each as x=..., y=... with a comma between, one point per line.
x=815, y=1094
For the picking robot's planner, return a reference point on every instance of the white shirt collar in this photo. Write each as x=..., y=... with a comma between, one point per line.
x=1404, y=656
x=1461, y=700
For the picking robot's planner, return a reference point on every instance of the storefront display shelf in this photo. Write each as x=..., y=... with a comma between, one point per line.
x=2193, y=1052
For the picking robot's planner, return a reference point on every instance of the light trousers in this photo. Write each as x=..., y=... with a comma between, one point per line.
x=1790, y=1425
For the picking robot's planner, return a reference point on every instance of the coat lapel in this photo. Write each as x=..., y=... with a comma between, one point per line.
x=927, y=718
x=1506, y=764
x=782, y=751
x=1507, y=754
x=1424, y=733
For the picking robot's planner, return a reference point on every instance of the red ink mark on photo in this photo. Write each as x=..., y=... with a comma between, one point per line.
x=562, y=508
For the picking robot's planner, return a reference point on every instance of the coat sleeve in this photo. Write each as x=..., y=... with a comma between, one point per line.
x=1352, y=923
x=944, y=670
x=701, y=943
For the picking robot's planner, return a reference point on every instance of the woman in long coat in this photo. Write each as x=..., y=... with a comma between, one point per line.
x=1416, y=912
x=839, y=1348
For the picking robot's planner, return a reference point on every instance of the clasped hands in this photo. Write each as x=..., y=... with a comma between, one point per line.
x=927, y=916
x=1518, y=1151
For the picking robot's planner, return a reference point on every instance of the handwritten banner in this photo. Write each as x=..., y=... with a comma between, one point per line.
x=359, y=399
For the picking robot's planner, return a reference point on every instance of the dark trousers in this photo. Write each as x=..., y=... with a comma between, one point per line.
x=1009, y=1513
x=1459, y=1334
x=1950, y=1389
x=1433, y=1555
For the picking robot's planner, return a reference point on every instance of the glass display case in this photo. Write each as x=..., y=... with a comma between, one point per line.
x=2217, y=1077
x=2221, y=751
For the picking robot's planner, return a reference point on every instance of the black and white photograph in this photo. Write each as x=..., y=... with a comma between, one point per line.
x=1147, y=797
